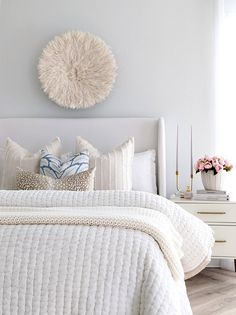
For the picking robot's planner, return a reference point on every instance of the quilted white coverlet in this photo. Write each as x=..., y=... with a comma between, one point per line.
x=197, y=236
x=145, y=220
x=85, y=270
x=68, y=267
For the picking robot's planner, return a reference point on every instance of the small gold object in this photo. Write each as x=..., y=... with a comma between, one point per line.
x=188, y=193
x=203, y=212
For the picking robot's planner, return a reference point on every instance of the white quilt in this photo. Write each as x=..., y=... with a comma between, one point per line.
x=145, y=220
x=97, y=253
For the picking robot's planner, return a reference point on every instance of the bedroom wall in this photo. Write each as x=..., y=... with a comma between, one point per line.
x=164, y=50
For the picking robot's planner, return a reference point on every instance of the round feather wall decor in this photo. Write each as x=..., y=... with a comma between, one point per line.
x=77, y=70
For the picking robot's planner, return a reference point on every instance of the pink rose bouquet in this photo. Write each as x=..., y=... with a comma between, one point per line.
x=215, y=164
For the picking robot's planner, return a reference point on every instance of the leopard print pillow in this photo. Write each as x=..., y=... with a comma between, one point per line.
x=26, y=180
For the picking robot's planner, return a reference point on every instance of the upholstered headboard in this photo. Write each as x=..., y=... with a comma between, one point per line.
x=104, y=133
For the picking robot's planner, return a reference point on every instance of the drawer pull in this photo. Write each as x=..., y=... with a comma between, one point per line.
x=216, y=212
x=220, y=241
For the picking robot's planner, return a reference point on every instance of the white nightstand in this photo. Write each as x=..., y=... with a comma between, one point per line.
x=221, y=216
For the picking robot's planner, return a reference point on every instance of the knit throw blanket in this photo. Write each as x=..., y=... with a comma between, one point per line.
x=145, y=220
x=158, y=217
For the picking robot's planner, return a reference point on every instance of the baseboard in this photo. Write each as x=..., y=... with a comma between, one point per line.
x=214, y=263
x=227, y=264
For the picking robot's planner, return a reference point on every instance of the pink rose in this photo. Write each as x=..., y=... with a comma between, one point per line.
x=201, y=166
x=215, y=161
x=207, y=165
x=227, y=163
x=221, y=161
x=218, y=163
x=207, y=158
x=218, y=168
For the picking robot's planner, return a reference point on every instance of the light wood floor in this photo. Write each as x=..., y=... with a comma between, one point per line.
x=213, y=291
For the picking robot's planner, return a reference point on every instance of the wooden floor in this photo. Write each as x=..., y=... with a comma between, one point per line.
x=213, y=291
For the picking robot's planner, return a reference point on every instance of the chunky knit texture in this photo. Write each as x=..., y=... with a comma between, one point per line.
x=197, y=236
x=148, y=221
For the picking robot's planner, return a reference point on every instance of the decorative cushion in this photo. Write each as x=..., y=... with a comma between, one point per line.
x=51, y=165
x=113, y=169
x=26, y=180
x=17, y=156
x=144, y=171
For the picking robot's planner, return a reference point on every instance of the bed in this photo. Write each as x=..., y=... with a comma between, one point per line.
x=96, y=252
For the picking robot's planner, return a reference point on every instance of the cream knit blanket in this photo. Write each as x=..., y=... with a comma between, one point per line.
x=197, y=236
x=148, y=221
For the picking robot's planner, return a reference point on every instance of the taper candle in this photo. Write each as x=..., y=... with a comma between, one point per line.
x=191, y=152
x=177, y=150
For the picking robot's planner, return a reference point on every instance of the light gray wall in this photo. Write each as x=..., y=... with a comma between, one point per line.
x=229, y=6
x=164, y=50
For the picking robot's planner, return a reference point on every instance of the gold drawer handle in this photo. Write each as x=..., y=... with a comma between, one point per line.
x=203, y=212
x=220, y=241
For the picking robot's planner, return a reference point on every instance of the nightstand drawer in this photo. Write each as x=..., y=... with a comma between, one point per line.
x=225, y=241
x=212, y=212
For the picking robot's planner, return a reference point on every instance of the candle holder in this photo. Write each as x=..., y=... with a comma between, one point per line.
x=188, y=192
x=179, y=192
x=183, y=193
x=177, y=181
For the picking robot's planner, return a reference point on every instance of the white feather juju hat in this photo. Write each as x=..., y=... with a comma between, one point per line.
x=77, y=70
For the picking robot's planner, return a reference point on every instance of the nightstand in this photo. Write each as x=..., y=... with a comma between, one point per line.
x=221, y=216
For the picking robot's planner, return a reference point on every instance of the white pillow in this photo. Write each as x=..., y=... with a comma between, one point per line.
x=17, y=156
x=113, y=169
x=144, y=171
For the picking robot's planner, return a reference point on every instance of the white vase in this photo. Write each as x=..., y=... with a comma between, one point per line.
x=211, y=181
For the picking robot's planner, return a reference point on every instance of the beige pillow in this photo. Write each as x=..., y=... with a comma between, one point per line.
x=113, y=169
x=17, y=156
x=26, y=180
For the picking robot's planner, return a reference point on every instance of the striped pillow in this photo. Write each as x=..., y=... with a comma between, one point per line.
x=113, y=169
x=17, y=156
x=51, y=165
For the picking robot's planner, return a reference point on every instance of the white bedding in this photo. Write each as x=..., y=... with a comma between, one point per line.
x=85, y=270
x=145, y=220
x=97, y=267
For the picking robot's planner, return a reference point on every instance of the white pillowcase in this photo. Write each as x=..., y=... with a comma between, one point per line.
x=113, y=169
x=144, y=171
x=17, y=156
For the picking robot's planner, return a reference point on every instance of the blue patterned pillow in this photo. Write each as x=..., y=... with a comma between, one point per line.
x=51, y=165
